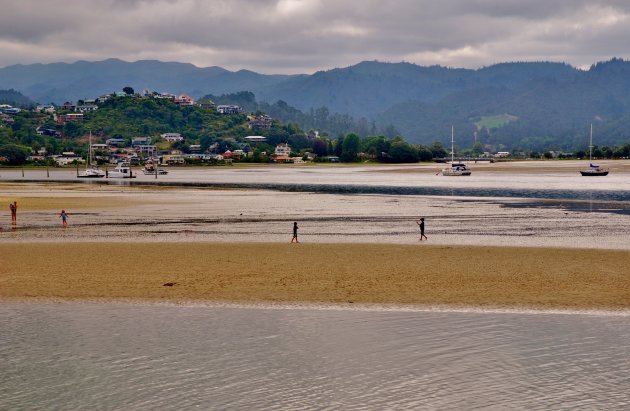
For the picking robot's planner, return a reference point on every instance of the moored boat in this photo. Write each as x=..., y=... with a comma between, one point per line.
x=122, y=170
x=91, y=170
x=456, y=169
x=594, y=170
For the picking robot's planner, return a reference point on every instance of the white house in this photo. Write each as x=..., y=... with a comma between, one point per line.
x=86, y=107
x=255, y=139
x=172, y=137
x=229, y=109
x=282, y=149
x=68, y=157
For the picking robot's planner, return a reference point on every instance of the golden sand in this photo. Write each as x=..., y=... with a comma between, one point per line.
x=319, y=273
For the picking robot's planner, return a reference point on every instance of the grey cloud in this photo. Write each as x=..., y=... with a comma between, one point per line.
x=289, y=36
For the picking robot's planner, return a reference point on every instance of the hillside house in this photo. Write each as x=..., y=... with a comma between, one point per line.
x=184, y=100
x=64, y=118
x=68, y=105
x=46, y=108
x=172, y=159
x=172, y=137
x=86, y=108
x=146, y=150
x=255, y=139
x=282, y=149
x=67, y=157
x=207, y=104
x=140, y=141
x=262, y=122
x=167, y=96
x=229, y=109
x=116, y=142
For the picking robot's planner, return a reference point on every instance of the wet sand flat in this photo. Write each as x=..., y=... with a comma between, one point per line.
x=419, y=274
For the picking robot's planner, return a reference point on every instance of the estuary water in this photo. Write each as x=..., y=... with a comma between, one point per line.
x=561, y=180
x=89, y=356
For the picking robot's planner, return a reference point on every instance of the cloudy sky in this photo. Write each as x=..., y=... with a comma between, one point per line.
x=303, y=36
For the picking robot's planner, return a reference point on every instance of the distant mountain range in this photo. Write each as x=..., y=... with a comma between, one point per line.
x=540, y=105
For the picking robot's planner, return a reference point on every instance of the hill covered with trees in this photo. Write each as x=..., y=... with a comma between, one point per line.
x=515, y=106
x=133, y=116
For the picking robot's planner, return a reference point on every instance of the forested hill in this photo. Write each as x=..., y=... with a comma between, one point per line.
x=60, y=82
x=539, y=114
x=15, y=98
x=531, y=106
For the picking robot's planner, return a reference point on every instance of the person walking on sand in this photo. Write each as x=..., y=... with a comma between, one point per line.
x=421, y=225
x=13, y=208
x=295, y=229
x=64, y=217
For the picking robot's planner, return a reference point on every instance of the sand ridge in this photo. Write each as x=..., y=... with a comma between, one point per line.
x=319, y=273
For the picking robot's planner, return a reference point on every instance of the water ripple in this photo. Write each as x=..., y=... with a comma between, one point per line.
x=117, y=356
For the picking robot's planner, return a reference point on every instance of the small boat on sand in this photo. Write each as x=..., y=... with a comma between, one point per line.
x=151, y=170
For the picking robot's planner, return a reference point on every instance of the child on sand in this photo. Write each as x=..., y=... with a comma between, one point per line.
x=64, y=217
x=421, y=225
x=295, y=229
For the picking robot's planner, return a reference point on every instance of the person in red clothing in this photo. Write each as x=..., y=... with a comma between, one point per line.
x=13, y=208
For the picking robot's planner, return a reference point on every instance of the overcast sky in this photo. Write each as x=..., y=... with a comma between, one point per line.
x=303, y=36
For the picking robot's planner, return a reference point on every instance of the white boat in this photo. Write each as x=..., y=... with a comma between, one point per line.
x=122, y=170
x=150, y=170
x=91, y=170
x=593, y=170
x=456, y=169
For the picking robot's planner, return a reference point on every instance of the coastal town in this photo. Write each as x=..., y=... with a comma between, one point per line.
x=167, y=148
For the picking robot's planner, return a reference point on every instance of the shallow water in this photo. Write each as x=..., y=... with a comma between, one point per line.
x=392, y=180
x=143, y=357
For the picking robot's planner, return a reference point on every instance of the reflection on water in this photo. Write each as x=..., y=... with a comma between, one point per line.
x=116, y=356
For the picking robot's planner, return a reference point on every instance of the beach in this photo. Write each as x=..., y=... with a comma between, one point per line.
x=124, y=242
x=493, y=277
x=189, y=294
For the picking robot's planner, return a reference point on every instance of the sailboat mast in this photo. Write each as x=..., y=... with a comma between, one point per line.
x=452, y=144
x=590, y=146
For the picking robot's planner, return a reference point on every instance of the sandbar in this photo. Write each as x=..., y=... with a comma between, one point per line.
x=415, y=274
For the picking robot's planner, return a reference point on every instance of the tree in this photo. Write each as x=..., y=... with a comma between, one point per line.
x=438, y=150
x=320, y=148
x=128, y=90
x=424, y=153
x=350, y=147
x=16, y=155
x=339, y=146
x=477, y=149
x=401, y=152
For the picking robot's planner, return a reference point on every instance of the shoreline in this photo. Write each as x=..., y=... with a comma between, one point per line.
x=531, y=310
x=420, y=276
